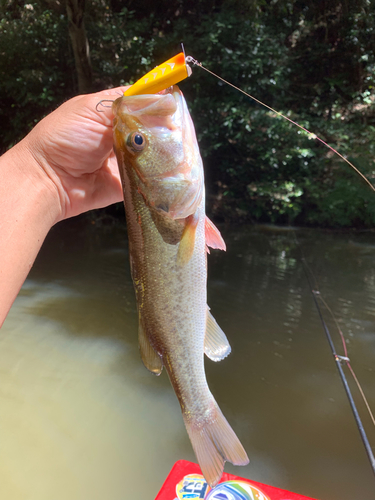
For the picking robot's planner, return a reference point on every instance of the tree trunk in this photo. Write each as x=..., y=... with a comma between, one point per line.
x=75, y=10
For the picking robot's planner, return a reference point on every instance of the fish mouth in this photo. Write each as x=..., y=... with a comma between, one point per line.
x=153, y=111
x=160, y=113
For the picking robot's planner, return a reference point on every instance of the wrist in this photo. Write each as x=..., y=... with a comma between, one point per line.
x=34, y=180
x=29, y=206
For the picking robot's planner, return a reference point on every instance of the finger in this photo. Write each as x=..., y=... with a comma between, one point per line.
x=116, y=90
x=108, y=185
x=112, y=165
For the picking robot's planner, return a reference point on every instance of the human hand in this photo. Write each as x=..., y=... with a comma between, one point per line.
x=63, y=167
x=73, y=147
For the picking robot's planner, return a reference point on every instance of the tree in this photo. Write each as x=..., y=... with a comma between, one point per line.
x=314, y=61
x=76, y=10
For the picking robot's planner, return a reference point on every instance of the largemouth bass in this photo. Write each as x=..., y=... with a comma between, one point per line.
x=163, y=183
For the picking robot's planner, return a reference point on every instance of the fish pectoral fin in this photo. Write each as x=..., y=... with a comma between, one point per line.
x=216, y=345
x=187, y=243
x=213, y=236
x=150, y=357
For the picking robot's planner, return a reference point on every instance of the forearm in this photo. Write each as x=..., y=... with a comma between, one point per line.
x=29, y=206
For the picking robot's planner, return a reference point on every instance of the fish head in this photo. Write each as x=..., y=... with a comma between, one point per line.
x=155, y=138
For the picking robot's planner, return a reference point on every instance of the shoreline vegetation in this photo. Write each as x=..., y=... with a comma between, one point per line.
x=313, y=61
x=115, y=217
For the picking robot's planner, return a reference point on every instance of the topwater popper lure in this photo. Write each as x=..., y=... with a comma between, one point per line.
x=167, y=74
x=172, y=71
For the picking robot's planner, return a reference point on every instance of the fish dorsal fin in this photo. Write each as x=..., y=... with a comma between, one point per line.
x=216, y=345
x=187, y=243
x=213, y=236
x=150, y=357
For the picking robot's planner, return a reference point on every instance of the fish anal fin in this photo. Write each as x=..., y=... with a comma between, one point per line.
x=213, y=236
x=216, y=345
x=214, y=443
x=150, y=357
x=187, y=243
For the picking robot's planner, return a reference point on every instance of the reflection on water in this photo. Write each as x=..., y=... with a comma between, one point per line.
x=81, y=418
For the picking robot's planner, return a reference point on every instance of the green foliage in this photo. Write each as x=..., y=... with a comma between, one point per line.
x=35, y=75
x=313, y=61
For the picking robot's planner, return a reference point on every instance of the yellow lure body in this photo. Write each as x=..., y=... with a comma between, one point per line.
x=167, y=74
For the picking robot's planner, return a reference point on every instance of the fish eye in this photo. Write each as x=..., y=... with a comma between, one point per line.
x=136, y=141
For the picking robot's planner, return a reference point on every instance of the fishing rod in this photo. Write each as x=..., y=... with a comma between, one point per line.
x=339, y=360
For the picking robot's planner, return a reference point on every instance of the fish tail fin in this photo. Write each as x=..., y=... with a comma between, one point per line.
x=214, y=443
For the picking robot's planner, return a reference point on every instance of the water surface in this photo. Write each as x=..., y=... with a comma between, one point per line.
x=81, y=418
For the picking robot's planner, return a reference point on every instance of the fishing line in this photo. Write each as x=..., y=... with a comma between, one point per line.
x=315, y=293
x=190, y=59
x=339, y=359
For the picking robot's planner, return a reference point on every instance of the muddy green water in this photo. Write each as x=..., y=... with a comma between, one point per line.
x=82, y=419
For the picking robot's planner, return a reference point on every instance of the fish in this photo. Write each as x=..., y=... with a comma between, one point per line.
x=169, y=234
